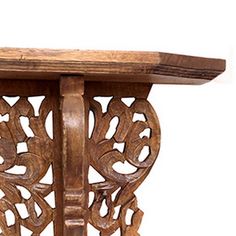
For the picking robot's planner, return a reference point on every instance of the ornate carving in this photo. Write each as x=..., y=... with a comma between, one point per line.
x=137, y=128
x=74, y=78
x=35, y=161
x=71, y=152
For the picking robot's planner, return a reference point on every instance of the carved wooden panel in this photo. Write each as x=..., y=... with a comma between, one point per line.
x=126, y=131
x=135, y=142
x=27, y=161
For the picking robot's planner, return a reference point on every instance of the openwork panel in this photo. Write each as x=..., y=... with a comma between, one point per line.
x=124, y=141
x=27, y=190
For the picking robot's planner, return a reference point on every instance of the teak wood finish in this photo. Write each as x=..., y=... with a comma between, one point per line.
x=71, y=81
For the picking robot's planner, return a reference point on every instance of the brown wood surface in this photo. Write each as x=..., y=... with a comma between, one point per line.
x=41, y=154
x=71, y=153
x=119, y=66
x=75, y=161
x=117, y=189
x=73, y=82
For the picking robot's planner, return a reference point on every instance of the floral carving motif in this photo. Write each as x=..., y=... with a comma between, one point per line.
x=117, y=191
x=35, y=161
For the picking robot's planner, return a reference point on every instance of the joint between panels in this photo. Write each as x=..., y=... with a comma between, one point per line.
x=71, y=85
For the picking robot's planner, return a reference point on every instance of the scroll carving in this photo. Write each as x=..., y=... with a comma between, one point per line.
x=116, y=192
x=25, y=188
x=135, y=142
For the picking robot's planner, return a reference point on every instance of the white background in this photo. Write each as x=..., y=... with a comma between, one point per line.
x=192, y=188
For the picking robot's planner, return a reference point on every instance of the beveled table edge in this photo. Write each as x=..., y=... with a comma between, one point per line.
x=98, y=65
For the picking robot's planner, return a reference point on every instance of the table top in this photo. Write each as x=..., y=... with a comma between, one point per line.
x=120, y=66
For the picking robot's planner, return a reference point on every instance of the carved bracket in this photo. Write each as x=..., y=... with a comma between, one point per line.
x=135, y=141
x=125, y=130
x=75, y=161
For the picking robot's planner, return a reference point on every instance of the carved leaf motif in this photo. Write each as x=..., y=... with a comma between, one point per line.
x=35, y=162
x=103, y=156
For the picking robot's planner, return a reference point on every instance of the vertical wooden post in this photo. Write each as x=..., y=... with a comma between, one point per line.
x=75, y=163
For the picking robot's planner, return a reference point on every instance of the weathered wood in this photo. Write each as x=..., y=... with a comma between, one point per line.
x=73, y=82
x=39, y=157
x=117, y=191
x=93, y=89
x=75, y=161
x=28, y=87
x=57, y=167
x=154, y=67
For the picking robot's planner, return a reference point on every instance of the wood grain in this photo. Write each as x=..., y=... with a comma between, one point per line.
x=39, y=156
x=117, y=189
x=160, y=67
x=75, y=161
x=72, y=82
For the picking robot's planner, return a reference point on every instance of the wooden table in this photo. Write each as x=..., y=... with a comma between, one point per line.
x=127, y=130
